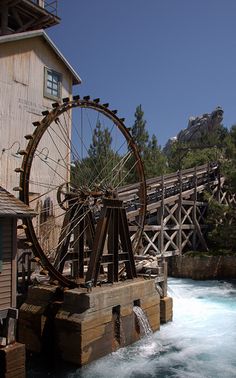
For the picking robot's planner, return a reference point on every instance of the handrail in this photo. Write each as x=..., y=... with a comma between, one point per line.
x=49, y=5
x=204, y=174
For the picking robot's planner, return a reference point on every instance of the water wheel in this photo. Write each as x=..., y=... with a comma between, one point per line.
x=80, y=156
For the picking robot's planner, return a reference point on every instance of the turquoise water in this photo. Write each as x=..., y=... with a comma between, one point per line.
x=199, y=343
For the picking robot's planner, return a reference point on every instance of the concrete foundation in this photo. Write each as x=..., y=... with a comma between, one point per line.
x=84, y=326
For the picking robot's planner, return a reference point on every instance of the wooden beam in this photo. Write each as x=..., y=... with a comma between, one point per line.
x=4, y=19
x=16, y=16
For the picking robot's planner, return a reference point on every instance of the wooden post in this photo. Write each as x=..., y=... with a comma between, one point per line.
x=14, y=262
x=179, y=214
x=4, y=19
x=41, y=3
x=161, y=218
x=197, y=231
x=195, y=210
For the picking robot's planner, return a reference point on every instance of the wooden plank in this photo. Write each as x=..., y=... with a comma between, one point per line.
x=5, y=303
x=6, y=266
x=5, y=292
x=5, y=296
x=5, y=285
x=1, y=247
x=21, y=67
x=154, y=228
x=14, y=263
x=6, y=271
x=5, y=276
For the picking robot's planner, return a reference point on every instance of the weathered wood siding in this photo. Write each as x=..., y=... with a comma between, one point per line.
x=8, y=271
x=22, y=98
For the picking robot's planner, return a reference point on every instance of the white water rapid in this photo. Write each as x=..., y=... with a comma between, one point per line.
x=199, y=343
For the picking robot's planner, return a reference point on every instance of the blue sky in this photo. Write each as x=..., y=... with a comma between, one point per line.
x=177, y=58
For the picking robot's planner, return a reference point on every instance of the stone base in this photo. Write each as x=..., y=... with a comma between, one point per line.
x=166, y=307
x=33, y=314
x=86, y=326
x=12, y=361
x=82, y=326
x=108, y=321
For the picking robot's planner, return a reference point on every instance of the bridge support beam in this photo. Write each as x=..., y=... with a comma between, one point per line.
x=177, y=210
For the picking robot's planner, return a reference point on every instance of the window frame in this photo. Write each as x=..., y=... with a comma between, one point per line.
x=51, y=71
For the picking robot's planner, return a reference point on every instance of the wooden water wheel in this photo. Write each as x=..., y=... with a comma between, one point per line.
x=75, y=167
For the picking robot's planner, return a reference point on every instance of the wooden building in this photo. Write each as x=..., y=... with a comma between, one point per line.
x=33, y=75
x=12, y=354
x=10, y=210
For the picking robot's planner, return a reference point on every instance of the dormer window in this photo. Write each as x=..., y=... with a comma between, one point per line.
x=52, y=84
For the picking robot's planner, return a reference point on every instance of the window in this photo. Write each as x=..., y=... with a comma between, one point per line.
x=52, y=84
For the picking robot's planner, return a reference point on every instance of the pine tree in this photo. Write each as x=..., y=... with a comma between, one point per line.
x=97, y=168
x=139, y=132
x=154, y=159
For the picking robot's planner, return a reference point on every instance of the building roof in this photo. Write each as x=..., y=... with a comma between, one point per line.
x=10, y=206
x=41, y=34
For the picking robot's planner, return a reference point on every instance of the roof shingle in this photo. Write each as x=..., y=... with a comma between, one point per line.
x=10, y=206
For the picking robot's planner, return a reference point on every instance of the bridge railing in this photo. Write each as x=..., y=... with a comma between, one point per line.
x=168, y=185
x=49, y=5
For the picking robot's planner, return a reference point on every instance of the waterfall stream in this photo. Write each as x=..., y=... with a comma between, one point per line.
x=143, y=321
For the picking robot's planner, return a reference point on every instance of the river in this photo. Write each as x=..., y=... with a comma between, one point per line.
x=199, y=343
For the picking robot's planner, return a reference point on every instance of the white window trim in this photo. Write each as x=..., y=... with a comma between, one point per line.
x=45, y=92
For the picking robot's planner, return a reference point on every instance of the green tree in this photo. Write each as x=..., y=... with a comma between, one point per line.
x=154, y=159
x=229, y=163
x=221, y=220
x=139, y=132
x=98, y=167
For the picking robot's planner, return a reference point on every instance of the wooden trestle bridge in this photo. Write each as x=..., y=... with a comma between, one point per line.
x=177, y=209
